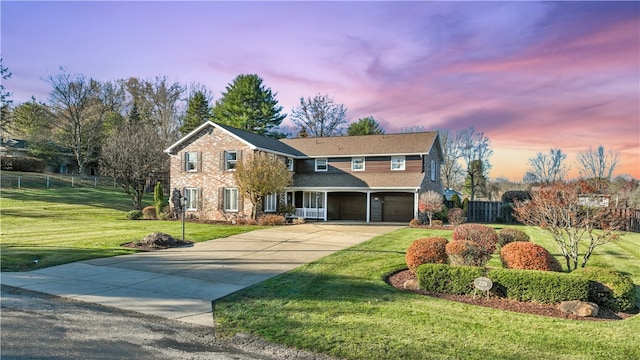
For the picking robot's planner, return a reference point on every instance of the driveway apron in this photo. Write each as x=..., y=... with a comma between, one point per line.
x=182, y=283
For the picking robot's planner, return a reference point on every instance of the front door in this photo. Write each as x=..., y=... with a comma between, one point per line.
x=376, y=207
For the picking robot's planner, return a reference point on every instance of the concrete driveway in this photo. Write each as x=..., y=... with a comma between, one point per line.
x=181, y=283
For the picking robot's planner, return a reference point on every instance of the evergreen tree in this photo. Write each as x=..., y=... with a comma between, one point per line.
x=365, y=126
x=248, y=105
x=198, y=112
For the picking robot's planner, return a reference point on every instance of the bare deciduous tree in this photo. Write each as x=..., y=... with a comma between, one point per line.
x=259, y=175
x=598, y=164
x=567, y=213
x=131, y=153
x=80, y=107
x=549, y=168
x=474, y=146
x=450, y=170
x=320, y=116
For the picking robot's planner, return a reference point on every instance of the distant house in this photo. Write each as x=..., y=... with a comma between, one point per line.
x=16, y=148
x=366, y=178
x=448, y=193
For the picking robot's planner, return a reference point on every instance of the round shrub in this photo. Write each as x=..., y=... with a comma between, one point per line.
x=426, y=250
x=134, y=215
x=149, y=213
x=609, y=288
x=484, y=236
x=414, y=223
x=271, y=219
x=466, y=253
x=456, y=216
x=528, y=256
x=509, y=235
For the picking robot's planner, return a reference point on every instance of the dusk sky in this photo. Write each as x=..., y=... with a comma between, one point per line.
x=531, y=75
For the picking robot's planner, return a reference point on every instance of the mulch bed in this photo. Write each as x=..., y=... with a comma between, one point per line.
x=398, y=279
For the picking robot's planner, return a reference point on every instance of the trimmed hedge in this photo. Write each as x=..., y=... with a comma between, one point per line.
x=426, y=250
x=528, y=256
x=609, y=288
x=484, y=236
x=442, y=278
x=538, y=286
x=466, y=253
x=134, y=215
x=509, y=235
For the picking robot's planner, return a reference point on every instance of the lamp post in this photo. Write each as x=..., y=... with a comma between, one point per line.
x=183, y=203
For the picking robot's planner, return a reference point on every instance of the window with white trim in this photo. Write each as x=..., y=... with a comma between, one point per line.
x=191, y=161
x=397, y=162
x=230, y=160
x=433, y=170
x=231, y=199
x=321, y=165
x=270, y=202
x=357, y=164
x=191, y=198
x=290, y=164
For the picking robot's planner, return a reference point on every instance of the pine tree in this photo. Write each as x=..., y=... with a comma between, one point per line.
x=249, y=106
x=365, y=126
x=198, y=112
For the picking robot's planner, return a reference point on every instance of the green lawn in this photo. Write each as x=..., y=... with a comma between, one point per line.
x=64, y=225
x=341, y=306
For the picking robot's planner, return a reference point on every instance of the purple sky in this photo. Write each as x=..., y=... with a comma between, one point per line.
x=530, y=75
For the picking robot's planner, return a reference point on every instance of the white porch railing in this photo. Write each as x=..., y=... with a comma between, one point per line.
x=310, y=213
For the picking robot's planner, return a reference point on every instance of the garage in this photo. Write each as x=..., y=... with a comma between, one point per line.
x=392, y=207
x=347, y=206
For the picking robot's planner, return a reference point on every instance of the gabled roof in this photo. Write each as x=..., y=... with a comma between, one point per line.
x=388, y=144
x=254, y=141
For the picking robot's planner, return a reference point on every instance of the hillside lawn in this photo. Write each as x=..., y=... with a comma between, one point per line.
x=338, y=305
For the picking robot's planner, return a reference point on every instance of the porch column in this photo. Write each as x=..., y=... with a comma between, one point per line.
x=326, y=206
x=368, y=206
x=415, y=204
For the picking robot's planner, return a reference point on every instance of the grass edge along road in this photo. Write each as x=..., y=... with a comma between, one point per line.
x=59, y=226
x=341, y=306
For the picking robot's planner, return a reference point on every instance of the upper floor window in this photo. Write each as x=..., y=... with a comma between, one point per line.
x=191, y=198
x=433, y=170
x=357, y=164
x=231, y=199
x=290, y=164
x=191, y=161
x=321, y=165
x=397, y=163
x=270, y=202
x=230, y=160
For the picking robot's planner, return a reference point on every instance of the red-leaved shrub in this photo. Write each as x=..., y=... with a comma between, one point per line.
x=271, y=219
x=456, y=216
x=426, y=250
x=149, y=213
x=485, y=237
x=528, y=256
x=509, y=235
x=467, y=253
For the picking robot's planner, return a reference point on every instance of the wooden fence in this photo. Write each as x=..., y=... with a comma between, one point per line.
x=499, y=212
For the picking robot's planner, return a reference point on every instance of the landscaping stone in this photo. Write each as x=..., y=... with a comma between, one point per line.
x=579, y=308
x=158, y=239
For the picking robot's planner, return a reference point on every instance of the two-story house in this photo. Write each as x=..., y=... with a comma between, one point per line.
x=367, y=178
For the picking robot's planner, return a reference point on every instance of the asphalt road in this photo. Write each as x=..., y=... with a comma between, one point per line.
x=41, y=326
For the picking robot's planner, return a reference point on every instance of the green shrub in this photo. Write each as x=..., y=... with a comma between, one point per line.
x=456, y=201
x=456, y=216
x=515, y=195
x=271, y=219
x=134, y=215
x=24, y=164
x=426, y=250
x=538, y=286
x=158, y=198
x=609, y=288
x=466, y=253
x=442, y=278
x=442, y=214
x=528, y=256
x=149, y=212
x=508, y=235
x=484, y=236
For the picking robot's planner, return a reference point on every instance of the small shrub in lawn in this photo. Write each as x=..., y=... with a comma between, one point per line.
x=609, y=288
x=414, y=223
x=466, y=253
x=456, y=216
x=442, y=278
x=149, y=213
x=298, y=221
x=528, y=256
x=426, y=250
x=271, y=219
x=484, y=236
x=539, y=286
x=134, y=215
x=509, y=235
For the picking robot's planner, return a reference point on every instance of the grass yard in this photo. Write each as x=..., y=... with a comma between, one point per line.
x=59, y=226
x=340, y=305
